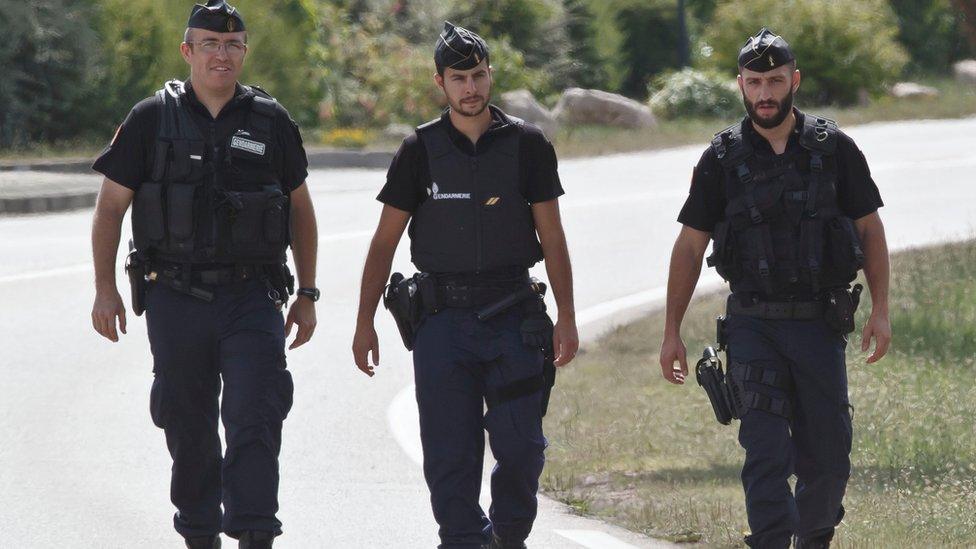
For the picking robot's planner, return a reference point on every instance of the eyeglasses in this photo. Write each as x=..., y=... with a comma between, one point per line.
x=234, y=48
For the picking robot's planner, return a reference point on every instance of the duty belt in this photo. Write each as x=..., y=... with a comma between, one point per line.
x=778, y=310
x=215, y=275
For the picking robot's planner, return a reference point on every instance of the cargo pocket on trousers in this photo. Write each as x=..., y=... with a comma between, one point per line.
x=157, y=401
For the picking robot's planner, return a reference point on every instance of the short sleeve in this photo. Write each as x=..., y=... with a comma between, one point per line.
x=540, y=173
x=128, y=159
x=401, y=188
x=705, y=205
x=857, y=193
x=294, y=162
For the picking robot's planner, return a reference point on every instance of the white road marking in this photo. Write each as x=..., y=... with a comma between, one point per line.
x=59, y=271
x=87, y=267
x=402, y=416
x=594, y=539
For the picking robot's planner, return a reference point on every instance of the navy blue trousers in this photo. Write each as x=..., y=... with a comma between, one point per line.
x=238, y=339
x=815, y=445
x=456, y=357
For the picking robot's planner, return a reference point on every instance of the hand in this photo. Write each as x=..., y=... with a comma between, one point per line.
x=565, y=341
x=365, y=343
x=673, y=349
x=108, y=305
x=879, y=328
x=302, y=313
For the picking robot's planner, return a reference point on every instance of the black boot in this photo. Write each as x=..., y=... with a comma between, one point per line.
x=255, y=539
x=819, y=542
x=498, y=543
x=204, y=542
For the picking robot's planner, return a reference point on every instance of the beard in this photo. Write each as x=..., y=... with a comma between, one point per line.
x=466, y=108
x=783, y=107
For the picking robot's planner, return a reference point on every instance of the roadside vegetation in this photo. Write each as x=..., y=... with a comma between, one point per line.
x=349, y=70
x=627, y=446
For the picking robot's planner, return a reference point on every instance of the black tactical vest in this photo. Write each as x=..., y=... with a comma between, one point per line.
x=475, y=218
x=203, y=207
x=783, y=233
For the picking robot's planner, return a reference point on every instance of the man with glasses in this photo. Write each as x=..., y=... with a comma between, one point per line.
x=215, y=172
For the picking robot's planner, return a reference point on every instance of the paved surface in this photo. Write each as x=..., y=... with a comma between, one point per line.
x=82, y=466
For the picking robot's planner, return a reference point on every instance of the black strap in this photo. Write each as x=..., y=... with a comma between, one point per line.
x=753, y=400
x=778, y=310
x=754, y=373
x=516, y=389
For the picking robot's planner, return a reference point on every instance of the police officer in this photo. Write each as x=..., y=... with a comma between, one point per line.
x=789, y=204
x=480, y=190
x=215, y=171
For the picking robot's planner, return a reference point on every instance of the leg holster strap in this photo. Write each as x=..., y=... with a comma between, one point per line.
x=516, y=389
x=752, y=400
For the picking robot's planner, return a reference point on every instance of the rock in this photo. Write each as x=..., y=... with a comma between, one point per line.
x=398, y=131
x=578, y=106
x=965, y=71
x=522, y=103
x=911, y=90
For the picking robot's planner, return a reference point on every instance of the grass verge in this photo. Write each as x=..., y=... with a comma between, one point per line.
x=955, y=101
x=629, y=447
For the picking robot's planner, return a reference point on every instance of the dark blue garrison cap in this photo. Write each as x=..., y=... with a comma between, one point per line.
x=458, y=48
x=764, y=52
x=216, y=16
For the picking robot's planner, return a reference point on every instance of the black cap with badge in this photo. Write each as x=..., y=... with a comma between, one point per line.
x=764, y=52
x=458, y=48
x=216, y=16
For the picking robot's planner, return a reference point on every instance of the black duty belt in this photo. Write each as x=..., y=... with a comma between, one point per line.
x=469, y=296
x=215, y=275
x=778, y=310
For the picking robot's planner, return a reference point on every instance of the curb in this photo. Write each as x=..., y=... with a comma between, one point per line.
x=85, y=198
x=47, y=204
x=318, y=158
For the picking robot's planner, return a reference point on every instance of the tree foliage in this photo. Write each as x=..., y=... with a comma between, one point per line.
x=842, y=46
x=49, y=59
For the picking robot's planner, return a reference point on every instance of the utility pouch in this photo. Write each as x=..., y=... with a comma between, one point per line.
x=147, y=213
x=136, y=268
x=179, y=215
x=402, y=299
x=256, y=222
x=840, y=305
x=712, y=378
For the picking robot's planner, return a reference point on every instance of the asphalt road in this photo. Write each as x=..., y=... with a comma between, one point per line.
x=81, y=465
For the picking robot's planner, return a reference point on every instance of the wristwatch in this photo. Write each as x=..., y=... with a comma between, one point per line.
x=311, y=293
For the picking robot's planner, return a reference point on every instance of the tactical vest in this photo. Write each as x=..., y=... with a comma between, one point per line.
x=475, y=218
x=203, y=207
x=783, y=233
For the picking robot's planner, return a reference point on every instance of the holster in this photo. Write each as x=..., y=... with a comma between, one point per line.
x=840, y=305
x=402, y=299
x=721, y=394
x=137, y=267
x=537, y=330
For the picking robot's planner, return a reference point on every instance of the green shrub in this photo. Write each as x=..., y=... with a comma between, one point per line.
x=695, y=93
x=842, y=46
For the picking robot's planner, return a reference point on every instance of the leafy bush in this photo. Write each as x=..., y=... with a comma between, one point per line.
x=842, y=46
x=47, y=73
x=695, y=93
